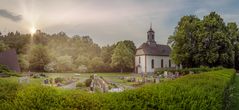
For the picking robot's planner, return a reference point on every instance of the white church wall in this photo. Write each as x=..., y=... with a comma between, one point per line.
x=141, y=69
x=157, y=62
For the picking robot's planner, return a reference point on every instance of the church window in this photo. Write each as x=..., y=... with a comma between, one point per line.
x=169, y=63
x=162, y=63
x=139, y=60
x=152, y=63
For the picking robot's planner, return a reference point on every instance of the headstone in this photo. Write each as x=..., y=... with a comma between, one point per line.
x=165, y=74
x=24, y=79
x=46, y=81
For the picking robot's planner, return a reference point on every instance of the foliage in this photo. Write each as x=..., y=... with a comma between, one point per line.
x=66, y=53
x=96, y=64
x=80, y=84
x=88, y=82
x=122, y=57
x=203, y=91
x=23, y=62
x=8, y=88
x=82, y=69
x=234, y=95
x=186, y=70
x=3, y=46
x=6, y=71
x=207, y=42
x=64, y=63
x=59, y=80
x=39, y=57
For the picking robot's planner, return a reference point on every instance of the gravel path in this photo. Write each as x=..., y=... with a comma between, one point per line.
x=70, y=86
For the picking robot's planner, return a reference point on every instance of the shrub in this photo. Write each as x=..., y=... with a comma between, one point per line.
x=88, y=82
x=59, y=80
x=186, y=70
x=6, y=71
x=205, y=91
x=80, y=84
x=201, y=91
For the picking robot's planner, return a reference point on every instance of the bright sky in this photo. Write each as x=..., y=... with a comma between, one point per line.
x=108, y=21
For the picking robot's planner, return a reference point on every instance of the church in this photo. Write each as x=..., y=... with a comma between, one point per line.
x=150, y=55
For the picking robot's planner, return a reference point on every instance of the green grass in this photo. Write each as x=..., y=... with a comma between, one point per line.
x=114, y=77
x=203, y=91
x=235, y=94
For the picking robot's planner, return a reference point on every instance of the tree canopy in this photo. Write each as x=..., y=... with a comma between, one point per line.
x=59, y=52
x=207, y=42
x=122, y=56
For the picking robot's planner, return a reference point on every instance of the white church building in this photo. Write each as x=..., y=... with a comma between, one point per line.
x=151, y=55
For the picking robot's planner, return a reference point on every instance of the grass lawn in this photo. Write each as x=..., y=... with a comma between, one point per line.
x=235, y=97
x=83, y=76
x=110, y=77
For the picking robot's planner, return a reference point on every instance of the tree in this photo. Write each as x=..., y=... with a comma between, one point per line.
x=233, y=34
x=23, y=62
x=206, y=42
x=185, y=41
x=130, y=44
x=40, y=38
x=216, y=45
x=3, y=46
x=17, y=41
x=82, y=60
x=96, y=64
x=39, y=57
x=64, y=63
x=122, y=57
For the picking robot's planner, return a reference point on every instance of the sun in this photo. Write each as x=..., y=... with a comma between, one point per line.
x=33, y=30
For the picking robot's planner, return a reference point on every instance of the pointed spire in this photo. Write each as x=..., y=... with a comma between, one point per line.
x=150, y=25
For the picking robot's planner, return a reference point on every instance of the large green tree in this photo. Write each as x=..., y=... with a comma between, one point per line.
x=39, y=58
x=122, y=57
x=233, y=33
x=216, y=44
x=207, y=42
x=185, y=41
x=3, y=46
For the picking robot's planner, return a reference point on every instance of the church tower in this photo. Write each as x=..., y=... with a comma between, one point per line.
x=150, y=36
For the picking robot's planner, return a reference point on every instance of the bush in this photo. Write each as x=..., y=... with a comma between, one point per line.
x=186, y=70
x=80, y=84
x=59, y=80
x=205, y=91
x=88, y=82
x=201, y=91
x=6, y=71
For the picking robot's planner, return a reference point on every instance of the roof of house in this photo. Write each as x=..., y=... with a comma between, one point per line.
x=9, y=59
x=153, y=49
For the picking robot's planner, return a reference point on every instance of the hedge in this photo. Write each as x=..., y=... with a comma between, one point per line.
x=205, y=91
x=186, y=70
x=6, y=71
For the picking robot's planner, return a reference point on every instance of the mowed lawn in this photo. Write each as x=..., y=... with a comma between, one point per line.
x=112, y=77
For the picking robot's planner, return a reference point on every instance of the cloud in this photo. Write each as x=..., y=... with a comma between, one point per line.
x=9, y=15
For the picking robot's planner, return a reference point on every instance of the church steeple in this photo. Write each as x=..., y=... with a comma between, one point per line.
x=150, y=36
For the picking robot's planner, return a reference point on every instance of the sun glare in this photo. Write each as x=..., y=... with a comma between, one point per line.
x=33, y=30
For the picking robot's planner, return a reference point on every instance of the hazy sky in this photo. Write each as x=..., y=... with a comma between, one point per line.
x=108, y=21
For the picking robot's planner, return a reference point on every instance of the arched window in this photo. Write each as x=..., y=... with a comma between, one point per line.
x=169, y=63
x=162, y=63
x=152, y=63
x=139, y=60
